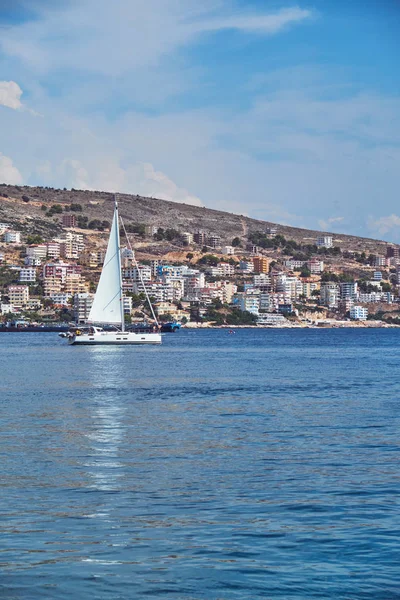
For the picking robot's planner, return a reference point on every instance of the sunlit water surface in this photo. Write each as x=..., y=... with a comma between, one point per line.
x=264, y=464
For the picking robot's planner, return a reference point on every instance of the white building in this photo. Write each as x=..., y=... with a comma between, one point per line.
x=294, y=264
x=82, y=305
x=143, y=273
x=249, y=303
x=348, y=289
x=61, y=298
x=12, y=237
x=127, y=305
x=4, y=227
x=187, y=237
x=325, y=241
x=151, y=229
x=38, y=251
x=27, y=275
x=315, y=266
x=32, y=261
x=358, y=313
x=330, y=293
x=378, y=276
x=222, y=270
x=228, y=250
x=272, y=320
x=53, y=249
x=18, y=295
x=246, y=266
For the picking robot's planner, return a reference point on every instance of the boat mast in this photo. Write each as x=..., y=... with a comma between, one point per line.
x=121, y=295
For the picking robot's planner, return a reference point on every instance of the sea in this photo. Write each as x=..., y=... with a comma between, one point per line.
x=264, y=464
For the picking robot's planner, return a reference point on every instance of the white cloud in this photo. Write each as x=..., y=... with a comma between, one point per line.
x=8, y=172
x=105, y=173
x=261, y=23
x=384, y=225
x=326, y=224
x=147, y=32
x=10, y=94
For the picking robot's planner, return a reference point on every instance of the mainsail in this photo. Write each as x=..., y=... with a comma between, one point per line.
x=108, y=306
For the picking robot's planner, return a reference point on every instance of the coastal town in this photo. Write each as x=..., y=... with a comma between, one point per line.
x=193, y=277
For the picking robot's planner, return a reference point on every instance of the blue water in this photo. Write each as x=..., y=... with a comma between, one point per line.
x=260, y=465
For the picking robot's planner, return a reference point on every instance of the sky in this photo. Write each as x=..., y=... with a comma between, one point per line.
x=280, y=111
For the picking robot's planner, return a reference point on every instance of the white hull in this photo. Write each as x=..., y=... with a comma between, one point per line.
x=115, y=338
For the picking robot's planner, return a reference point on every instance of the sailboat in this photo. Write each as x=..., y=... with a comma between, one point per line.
x=108, y=304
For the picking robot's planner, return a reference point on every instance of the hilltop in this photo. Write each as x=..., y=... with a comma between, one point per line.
x=27, y=209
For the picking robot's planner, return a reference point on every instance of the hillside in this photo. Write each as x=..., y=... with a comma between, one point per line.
x=29, y=216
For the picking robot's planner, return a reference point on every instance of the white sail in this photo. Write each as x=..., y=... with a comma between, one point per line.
x=108, y=304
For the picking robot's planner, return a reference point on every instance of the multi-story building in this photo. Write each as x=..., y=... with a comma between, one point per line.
x=294, y=264
x=324, y=241
x=1, y=257
x=262, y=279
x=249, y=302
x=222, y=270
x=127, y=300
x=289, y=285
x=61, y=298
x=127, y=258
x=330, y=293
x=89, y=259
x=82, y=305
x=32, y=261
x=315, y=266
x=72, y=245
x=74, y=284
x=261, y=264
x=358, y=313
x=27, y=275
x=379, y=261
x=193, y=283
x=200, y=237
x=246, y=266
x=188, y=238
x=37, y=251
x=53, y=249
x=348, y=289
x=4, y=227
x=61, y=270
x=378, y=276
x=12, y=237
x=393, y=252
x=228, y=250
x=150, y=230
x=214, y=241
x=18, y=295
x=137, y=274
x=271, y=320
x=52, y=285
x=69, y=221
x=309, y=286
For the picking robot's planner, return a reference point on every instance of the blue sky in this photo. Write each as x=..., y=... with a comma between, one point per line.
x=284, y=112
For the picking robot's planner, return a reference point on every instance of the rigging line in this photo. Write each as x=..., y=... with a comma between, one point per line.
x=140, y=274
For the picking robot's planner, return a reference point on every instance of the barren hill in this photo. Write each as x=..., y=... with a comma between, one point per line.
x=24, y=206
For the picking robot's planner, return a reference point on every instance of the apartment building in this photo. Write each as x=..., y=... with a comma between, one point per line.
x=330, y=294
x=27, y=275
x=18, y=295
x=324, y=241
x=82, y=305
x=69, y=221
x=12, y=237
x=261, y=264
x=359, y=313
